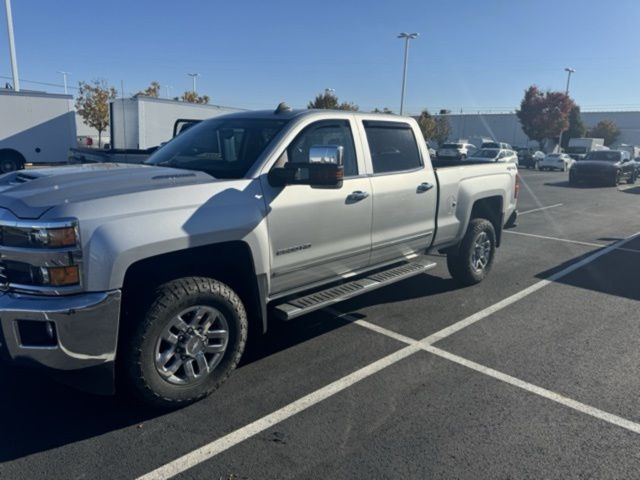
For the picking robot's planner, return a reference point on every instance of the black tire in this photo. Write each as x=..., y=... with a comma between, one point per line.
x=141, y=375
x=572, y=179
x=9, y=163
x=616, y=179
x=459, y=261
x=632, y=178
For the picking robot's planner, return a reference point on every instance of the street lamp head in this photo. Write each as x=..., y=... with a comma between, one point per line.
x=570, y=70
x=409, y=36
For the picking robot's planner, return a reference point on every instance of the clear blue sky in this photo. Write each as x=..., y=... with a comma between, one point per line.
x=474, y=54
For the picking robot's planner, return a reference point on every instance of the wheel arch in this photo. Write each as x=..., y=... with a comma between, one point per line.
x=230, y=262
x=490, y=208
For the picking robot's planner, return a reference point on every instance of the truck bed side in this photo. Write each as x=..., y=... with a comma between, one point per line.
x=463, y=186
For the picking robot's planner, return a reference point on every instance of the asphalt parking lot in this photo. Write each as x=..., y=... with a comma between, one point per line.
x=531, y=374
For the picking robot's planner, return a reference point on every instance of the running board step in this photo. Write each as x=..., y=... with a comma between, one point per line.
x=298, y=306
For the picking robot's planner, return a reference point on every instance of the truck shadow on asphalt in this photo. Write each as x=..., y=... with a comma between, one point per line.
x=40, y=414
x=613, y=273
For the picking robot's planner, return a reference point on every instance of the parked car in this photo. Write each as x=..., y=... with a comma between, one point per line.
x=606, y=166
x=456, y=150
x=556, y=161
x=493, y=155
x=157, y=273
x=529, y=157
x=501, y=145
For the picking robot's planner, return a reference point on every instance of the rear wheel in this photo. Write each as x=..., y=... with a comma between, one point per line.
x=10, y=161
x=471, y=262
x=187, y=344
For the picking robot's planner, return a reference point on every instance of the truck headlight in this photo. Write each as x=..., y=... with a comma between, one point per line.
x=39, y=237
x=40, y=257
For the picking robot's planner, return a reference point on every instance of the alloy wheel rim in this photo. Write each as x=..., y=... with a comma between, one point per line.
x=481, y=252
x=191, y=345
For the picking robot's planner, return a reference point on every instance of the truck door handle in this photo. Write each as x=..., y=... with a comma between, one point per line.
x=424, y=187
x=357, y=195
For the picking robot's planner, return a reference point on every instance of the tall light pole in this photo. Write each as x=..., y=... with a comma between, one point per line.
x=569, y=72
x=566, y=92
x=193, y=77
x=12, y=47
x=406, y=37
x=64, y=80
x=167, y=89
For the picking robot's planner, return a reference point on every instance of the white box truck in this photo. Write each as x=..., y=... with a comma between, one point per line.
x=35, y=127
x=140, y=123
x=579, y=147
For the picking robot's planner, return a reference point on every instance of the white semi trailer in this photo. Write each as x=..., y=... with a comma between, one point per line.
x=35, y=127
x=141, y=123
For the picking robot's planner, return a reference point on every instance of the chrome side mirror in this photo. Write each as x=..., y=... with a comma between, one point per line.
x=333, y=154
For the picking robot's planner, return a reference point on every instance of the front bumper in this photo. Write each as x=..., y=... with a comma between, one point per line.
x=86, y=335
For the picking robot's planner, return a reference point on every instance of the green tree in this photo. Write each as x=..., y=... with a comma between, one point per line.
x=427, y=125
x=329, y=101
x=92, y=104
x=544, y=115
x=153, y=90
x=384, y=110
x=442, y=130
x=193, y=97
x=606, y=129
x=576, y=128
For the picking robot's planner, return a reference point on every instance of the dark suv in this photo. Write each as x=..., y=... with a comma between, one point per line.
x=528, y=157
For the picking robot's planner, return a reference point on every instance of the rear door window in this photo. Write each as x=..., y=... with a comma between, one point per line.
x=393, y=147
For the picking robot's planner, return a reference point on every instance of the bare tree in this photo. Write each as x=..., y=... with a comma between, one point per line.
x=92, y=104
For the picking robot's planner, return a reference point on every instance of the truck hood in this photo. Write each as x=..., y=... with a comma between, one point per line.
x=30, y=193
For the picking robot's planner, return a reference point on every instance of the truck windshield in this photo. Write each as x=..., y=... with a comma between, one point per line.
x=576, y=150
x=223, y=148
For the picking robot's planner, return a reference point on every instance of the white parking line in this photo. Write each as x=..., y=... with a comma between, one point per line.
x=224, y=443
x=218, y=446
x=539, y=209
x=516, y=382
x=542, y=392
x=588, y=244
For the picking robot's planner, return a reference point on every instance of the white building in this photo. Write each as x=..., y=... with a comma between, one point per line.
x=505, y=127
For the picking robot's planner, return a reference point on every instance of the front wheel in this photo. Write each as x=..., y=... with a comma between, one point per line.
x=187, y=344
x=632, y=178
x=471, y=262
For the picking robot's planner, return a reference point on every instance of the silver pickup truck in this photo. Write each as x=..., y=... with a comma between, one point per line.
x=154, y=274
